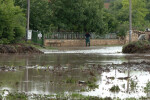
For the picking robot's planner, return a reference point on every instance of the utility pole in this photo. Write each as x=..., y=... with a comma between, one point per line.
x=28, y=18
x=130, y=21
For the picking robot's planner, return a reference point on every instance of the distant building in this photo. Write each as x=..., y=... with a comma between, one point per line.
x=107, y=3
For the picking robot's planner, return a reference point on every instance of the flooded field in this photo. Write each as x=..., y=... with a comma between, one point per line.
x=92, y=71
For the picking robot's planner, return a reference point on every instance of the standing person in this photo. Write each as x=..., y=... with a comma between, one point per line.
x=87, y=38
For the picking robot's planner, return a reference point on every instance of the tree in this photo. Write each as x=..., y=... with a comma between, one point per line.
x=40, y=13
x=66, y=15
x=77, y=15
x=110, y=21
x=139, y=12
x=120, y=10
x=147, y=17
x=12, y=22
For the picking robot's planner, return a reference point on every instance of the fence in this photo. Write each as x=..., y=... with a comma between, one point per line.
x=77, y=35
x=36, y=39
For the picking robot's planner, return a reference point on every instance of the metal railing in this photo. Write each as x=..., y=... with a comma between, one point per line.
x=77, y=35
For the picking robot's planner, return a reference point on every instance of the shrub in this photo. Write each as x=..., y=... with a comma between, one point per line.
x=12, y=22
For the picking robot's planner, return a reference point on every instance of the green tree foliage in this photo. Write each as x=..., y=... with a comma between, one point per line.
x=110, y=22
x=148, y=7
x=77, y=15
x=40, y=13
x=65, y=15
x=139, y=12
x=120, y=10
x=12, y=22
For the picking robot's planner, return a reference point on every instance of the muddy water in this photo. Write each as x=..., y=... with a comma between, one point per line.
x=30, y=75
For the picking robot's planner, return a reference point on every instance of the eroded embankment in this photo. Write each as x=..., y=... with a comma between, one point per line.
x=18, y=48
x=137, y=47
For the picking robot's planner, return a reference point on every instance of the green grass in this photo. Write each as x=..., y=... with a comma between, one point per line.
x=91, y=83
x=133, y=85
x=70, y=80
x=30, y=43
x=61, y=96
x=115, y=89
x=17, y=96
x=147, y=88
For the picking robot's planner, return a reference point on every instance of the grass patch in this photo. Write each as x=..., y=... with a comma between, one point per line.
x=70, y=80
x=144, y=98
x=131, y=99
x=115, y=88
x=147, y=88
x=83, y=90
x=17, y=96
x=91, y=83
x=133, y=85
x=60, y=96
x=38, y=46
x=1, y=97
x=77, y=96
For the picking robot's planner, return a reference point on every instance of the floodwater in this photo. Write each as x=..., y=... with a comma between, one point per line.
x=47, y=73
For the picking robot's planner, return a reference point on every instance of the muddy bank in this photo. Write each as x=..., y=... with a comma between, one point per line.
x=137, y=47
x=18, y=48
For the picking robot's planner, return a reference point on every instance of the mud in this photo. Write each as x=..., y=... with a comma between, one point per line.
x=18, y=48
x=137, y=47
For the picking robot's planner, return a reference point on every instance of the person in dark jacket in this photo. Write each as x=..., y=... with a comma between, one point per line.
x=87, y=38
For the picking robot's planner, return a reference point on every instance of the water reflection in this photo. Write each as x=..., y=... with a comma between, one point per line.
x=45, y=82
x=125, y=85
x=54, y=59
x=73, y=59
x=41, y=81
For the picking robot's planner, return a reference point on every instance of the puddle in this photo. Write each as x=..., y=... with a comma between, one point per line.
x=139, y=77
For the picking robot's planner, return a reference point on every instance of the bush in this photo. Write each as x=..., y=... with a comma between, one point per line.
x=12, y=22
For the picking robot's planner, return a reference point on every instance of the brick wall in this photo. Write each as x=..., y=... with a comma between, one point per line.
x=147, y=35
x=134, y=37
x=81, y=42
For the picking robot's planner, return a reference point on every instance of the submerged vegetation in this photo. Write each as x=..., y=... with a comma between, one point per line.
x=115, y=88
x=133, y=85
x=70, y=80
x=17, y=96
x=92, y=83
x=60, y=96
x=147, y=88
